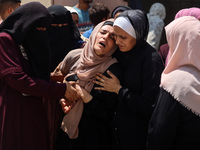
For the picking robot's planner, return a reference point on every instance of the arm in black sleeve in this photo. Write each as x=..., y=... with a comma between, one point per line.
x=164, y=123
x=142, y=97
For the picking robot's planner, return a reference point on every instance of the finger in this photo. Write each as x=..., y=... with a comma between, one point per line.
x=98, y=78
x=102, y=80
x=67, y=109
x=112, y=75
x=99, y=83
x=101, y=76
x=99, y=88
x=72, y=83
x=62, y=102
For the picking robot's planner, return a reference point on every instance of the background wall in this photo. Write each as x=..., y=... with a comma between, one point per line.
x=111, y=4
x=46, y=3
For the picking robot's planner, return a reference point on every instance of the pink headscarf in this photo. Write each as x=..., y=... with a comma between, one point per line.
x=194, y=11
x=89, y=62
x=181, y=77
x=85, y=63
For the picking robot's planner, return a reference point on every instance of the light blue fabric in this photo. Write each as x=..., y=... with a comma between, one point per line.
x=88, y=33
x=84, y=22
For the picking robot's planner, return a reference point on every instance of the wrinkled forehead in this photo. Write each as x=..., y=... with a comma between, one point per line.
x=107, y=28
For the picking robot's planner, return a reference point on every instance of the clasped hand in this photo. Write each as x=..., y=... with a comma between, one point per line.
x=108, y=84
x=74, y=92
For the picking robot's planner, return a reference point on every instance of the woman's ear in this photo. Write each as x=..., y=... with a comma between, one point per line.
x=10, y=10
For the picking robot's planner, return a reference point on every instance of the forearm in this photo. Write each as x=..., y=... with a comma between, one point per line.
x=34, y=86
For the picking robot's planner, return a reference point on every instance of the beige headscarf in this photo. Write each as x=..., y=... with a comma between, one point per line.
x=85, y=63
x=181, y=76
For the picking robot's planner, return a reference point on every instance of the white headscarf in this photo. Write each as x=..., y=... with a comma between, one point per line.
x=125, y=24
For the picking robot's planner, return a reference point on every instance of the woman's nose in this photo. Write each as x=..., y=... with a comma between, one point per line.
x=116, y=40
x=106, y=35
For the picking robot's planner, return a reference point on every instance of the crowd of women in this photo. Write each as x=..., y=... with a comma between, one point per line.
x=112, y=92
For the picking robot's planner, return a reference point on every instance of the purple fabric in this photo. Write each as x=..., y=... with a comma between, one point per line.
x=164, y=49
x=22, y=116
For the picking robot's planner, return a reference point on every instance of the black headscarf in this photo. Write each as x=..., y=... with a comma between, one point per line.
x=62, y=38
x=139, y=21
x=21, y=25
x=119, y=9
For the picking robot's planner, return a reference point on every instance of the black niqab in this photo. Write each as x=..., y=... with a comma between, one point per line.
x=21, y=25
x=62, y=38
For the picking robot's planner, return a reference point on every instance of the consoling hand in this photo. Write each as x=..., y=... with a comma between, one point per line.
x=57, y=75
x=71, y=92
x=108, y=84
x=85, y=95
x=66, y=105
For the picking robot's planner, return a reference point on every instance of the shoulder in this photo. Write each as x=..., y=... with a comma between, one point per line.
x=70, y=59
x=5, y=36
x=6, y=40
x=77, y=9
x=72, y=55
x=149, y=50
x=151, y=56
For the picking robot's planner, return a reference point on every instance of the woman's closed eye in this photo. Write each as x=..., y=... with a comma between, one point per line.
x=103, y=31
x=122, y=37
